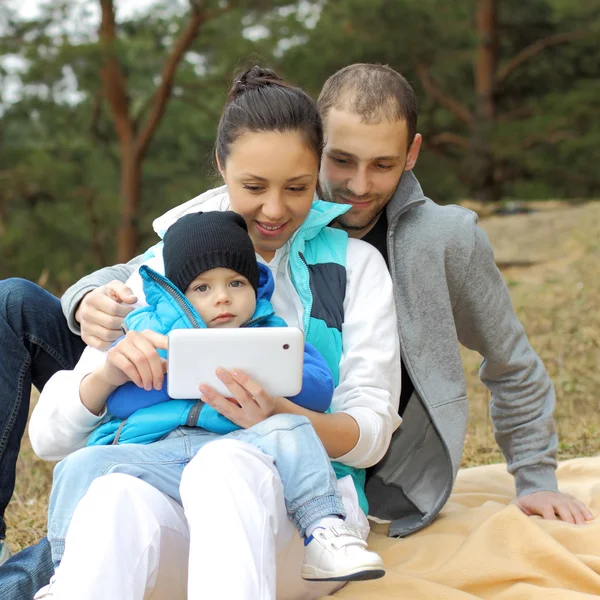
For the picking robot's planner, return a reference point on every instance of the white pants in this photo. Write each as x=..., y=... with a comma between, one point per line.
x=231, y=539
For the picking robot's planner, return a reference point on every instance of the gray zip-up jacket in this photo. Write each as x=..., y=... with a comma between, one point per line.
x=448, y=291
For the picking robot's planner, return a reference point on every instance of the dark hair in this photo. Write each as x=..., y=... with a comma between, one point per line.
x=261, y=101
x=373, y=92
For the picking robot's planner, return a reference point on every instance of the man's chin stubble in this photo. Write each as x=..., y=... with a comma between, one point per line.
x=357, y=226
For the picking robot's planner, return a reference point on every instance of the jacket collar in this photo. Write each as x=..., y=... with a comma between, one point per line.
x=408, y=194
x=321, y=214
x=168, y=303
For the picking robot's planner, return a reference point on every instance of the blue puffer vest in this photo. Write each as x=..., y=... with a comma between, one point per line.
x=169, y=309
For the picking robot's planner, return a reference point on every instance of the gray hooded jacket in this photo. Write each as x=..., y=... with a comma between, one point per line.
x=448, y=292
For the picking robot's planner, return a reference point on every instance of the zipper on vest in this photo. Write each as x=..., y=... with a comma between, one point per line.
x=192, y=419
x=177, y=296
x=322, y=222
x=256, y=320
x=310, y=295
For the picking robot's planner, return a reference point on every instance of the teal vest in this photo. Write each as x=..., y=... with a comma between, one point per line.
x=318, y=271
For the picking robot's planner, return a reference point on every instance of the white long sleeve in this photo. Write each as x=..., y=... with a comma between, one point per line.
x=60, y=423
x=370, y=376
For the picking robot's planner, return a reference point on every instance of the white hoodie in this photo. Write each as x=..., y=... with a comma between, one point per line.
x=369, y=385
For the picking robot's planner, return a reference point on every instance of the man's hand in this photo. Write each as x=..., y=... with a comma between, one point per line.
x=102, y=312
x=553, y=506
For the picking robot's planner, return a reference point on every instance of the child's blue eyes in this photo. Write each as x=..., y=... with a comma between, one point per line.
x=204, y=287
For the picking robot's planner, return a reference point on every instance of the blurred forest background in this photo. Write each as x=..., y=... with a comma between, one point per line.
x=108, y=117
x=107, y=121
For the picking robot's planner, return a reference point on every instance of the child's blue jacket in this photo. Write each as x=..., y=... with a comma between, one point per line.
x=152, y=414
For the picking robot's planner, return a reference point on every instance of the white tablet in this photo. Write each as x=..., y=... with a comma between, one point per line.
x=272, y=356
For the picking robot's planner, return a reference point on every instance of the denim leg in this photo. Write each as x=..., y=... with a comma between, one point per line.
x=26, y=572
x=160, y=464
x=309, y=483
x=35, y=343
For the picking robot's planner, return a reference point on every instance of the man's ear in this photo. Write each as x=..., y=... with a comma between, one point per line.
x=413, y=152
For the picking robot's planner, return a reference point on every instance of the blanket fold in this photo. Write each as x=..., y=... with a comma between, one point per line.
x=481, y=546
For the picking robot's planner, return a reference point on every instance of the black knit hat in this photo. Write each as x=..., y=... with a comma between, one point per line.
x=202, y=241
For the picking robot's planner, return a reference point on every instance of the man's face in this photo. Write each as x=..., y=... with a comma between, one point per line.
x=362, y=165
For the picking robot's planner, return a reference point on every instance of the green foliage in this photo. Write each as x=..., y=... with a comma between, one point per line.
x=59, y=154
x=543, y=136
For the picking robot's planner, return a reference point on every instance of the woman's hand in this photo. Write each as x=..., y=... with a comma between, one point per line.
x=135, y=358
x=249, y=404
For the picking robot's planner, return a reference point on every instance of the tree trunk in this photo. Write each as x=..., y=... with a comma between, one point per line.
x=133, y=144
x=131, y=185
x=483, y=183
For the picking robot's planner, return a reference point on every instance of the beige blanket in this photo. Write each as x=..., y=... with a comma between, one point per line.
x=481, y=547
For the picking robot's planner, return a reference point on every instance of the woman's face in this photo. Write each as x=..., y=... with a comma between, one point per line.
x=271, y=177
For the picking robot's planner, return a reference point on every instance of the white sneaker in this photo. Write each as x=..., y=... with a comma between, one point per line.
x=46, y=592
x=339, y=554
x=5, y=552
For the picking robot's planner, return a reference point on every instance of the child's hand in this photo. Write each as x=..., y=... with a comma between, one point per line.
x=249, y=403
x=135, y=358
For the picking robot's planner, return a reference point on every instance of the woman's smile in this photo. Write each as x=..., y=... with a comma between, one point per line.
x=270, y=229
x=271, y=178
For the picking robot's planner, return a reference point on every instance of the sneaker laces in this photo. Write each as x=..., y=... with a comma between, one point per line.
x=340, y=536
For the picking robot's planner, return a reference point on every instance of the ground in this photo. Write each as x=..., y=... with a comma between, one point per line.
x=550, y=260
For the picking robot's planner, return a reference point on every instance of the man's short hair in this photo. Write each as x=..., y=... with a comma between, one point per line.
x=373, y=92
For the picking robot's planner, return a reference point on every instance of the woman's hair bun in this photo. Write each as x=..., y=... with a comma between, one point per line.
x=253, y=78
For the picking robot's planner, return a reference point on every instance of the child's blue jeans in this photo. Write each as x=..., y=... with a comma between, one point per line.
x=309, y=482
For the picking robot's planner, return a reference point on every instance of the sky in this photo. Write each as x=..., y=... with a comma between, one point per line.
x=88, y=23
x=29, y=8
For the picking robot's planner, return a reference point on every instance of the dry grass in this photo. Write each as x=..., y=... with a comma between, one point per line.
x=26, y=514
x=551, y=262
x=557, y=299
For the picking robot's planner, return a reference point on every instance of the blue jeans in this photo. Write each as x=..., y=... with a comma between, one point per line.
x=35, y=342
x=26, y=572
x=309, y=483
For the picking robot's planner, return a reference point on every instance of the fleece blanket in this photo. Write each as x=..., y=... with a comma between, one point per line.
x=481, y=546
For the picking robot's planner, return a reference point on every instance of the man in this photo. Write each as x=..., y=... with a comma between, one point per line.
x=448, y=291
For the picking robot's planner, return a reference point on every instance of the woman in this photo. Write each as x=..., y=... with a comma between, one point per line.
x=129, y=540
